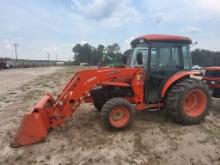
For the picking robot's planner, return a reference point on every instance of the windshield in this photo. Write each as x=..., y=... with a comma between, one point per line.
x=163, y=55
x=135, y=51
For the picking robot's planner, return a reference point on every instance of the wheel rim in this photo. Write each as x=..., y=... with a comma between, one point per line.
x=195, y=103
x=119, y=116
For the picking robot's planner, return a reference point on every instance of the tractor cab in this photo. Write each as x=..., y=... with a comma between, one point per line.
x=161, y=56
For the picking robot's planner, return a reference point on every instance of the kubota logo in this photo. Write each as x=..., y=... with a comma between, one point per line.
x=90, y=80
x=113, y=72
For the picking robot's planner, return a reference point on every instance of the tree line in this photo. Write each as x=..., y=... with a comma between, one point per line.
x=205, y=58
x=112, y=55
x=99, y=55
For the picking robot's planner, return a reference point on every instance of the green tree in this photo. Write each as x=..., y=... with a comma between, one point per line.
x=86, y=53
x=205, y=58
x=76, y=49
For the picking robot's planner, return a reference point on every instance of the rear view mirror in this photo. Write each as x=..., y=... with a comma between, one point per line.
x=139, y=58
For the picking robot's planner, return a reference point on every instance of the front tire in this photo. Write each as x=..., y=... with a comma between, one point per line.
x=116, y=114
x=188, y=101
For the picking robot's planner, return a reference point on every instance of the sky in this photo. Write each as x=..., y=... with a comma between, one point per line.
x=54, y=26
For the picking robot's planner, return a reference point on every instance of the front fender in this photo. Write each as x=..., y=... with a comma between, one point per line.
x=177, y=76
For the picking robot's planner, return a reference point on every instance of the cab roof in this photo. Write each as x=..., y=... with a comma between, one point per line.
x=162, y=38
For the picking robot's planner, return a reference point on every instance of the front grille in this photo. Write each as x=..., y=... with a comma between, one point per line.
x=212, y=73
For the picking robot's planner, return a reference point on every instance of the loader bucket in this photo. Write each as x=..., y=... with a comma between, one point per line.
x=34, y=126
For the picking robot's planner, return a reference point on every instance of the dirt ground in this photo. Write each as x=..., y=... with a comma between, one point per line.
x=13, y=78
x=153, y=139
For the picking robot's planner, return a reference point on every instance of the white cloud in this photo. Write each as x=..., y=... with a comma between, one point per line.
x=7, y=44
x=126, y=45
x=97, y=9
x=83, y=42
x=127, y=41
x=158, y=17
x=163, y=10
x=208, y=5
x=111, y=13
x=53, y=27
x=184, y=10
x=52, y=49
x=191, y=29
x=62, y=51
x=203, y=10
x=67, y=44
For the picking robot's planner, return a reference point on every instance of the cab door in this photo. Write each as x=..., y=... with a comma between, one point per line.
x=165, y=59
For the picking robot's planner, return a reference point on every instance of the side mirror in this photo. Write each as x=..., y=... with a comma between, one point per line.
x=139, y=58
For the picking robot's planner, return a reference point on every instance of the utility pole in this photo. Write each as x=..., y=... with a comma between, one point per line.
x=16, y=53
x=56, y=59
x=48, y=57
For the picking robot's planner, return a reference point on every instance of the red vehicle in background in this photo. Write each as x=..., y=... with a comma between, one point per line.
x=212, y=79
x=3, y=63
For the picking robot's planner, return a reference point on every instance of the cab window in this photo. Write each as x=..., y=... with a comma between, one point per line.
x=165, y=58
x=186, y=57
x=144, y=52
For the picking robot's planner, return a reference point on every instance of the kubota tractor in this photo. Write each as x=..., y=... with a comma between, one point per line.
x=157, y=76
x=212, y=79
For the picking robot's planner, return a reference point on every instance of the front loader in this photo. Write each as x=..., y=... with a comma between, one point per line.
x=158, y=75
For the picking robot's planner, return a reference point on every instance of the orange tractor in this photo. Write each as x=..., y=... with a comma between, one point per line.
x=158, y=75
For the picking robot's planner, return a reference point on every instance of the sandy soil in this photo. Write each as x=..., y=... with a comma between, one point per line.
x=14, y=78
x=153, y=138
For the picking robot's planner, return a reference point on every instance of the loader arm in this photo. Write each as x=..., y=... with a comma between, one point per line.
x=50, y=113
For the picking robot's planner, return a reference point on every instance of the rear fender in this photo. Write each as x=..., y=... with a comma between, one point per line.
x=177, y=76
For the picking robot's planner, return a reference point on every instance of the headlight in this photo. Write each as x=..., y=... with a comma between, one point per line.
x=213, y=82
x=141, y=40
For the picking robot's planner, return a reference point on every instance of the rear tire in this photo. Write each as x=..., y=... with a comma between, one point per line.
x=188, y=101
x=117, y=114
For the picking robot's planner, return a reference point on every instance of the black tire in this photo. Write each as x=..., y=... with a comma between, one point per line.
x=175, y=100
x=107, y=109
x=98, y=98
